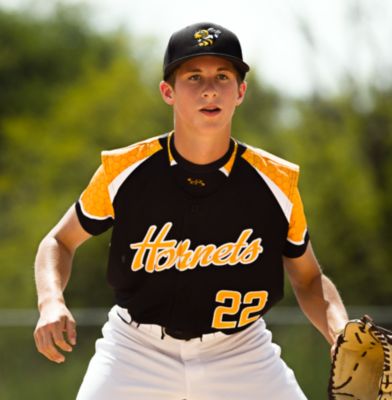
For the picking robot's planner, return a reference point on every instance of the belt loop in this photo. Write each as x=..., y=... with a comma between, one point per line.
x=162, y=333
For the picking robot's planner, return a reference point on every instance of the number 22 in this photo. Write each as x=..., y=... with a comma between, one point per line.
x=256, y=300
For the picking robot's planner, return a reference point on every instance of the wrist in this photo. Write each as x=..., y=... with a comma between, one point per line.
x=50, y=301
x=337, y=329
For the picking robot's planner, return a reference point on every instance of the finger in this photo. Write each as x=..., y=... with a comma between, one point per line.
x=37, y=339
x=58, y=336
x=51, y=352
x=46, y=347
x=70, y=327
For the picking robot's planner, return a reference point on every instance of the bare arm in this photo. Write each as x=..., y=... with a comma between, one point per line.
x=53, y=266
x=316, y=294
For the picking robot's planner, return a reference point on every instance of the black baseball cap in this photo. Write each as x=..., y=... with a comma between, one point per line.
x=203, y=38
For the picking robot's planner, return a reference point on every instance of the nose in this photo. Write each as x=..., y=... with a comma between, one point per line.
x=209, y=89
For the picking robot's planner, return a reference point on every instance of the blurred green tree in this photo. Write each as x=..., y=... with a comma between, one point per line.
x=344, y=151
x=69, y=93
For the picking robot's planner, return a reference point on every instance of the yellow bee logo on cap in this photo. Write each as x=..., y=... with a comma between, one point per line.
x=206, y=37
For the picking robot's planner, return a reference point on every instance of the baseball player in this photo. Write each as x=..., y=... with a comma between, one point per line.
x=203, y=228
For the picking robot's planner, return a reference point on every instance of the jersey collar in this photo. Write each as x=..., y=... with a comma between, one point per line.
x=227, y=160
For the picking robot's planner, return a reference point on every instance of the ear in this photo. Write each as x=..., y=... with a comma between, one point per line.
x=241, y=92
x=167, y=93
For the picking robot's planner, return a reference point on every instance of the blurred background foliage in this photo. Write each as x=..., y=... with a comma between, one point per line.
x=68, y=91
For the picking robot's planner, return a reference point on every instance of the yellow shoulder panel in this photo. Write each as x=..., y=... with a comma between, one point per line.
x=116, y=161
x=96, y=201
x=283, y=173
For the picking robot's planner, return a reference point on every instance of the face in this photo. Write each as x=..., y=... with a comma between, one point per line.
x=205, y=94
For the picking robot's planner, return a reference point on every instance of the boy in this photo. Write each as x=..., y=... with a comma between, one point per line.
x=203, y=227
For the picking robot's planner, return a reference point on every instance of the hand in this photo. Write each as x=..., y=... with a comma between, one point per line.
x=49, y=335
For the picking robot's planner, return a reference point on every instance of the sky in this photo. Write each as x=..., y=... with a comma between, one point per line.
x=293, y=45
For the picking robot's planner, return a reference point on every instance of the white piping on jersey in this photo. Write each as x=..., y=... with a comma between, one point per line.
x=91, y=216
x=116, y=183
x=285, y=204
x=301, y=242
x=171, y=158
x=224, y=171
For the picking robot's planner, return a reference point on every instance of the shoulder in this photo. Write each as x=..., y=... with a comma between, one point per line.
x=272, y=168
x=255, y=155
x=117, y=160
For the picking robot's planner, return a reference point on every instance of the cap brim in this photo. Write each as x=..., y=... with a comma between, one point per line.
x=241, y=66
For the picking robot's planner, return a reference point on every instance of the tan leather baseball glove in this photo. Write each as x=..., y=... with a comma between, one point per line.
x=361, y=367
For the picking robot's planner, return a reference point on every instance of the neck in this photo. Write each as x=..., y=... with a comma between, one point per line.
x=201, y=148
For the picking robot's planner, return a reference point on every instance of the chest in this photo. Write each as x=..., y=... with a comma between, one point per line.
x=216, y=213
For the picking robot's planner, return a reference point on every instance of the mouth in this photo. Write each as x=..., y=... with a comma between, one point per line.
x=210, y=110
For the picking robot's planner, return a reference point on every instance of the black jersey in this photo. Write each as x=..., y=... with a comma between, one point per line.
x=195, y=247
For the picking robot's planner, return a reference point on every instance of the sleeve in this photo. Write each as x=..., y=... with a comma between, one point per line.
x=298, y=236
x=94, y=207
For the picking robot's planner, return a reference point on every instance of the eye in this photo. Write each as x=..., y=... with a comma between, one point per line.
x=222, y=77
x=194, y=77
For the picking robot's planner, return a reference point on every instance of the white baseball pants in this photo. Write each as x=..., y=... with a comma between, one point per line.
x=135, y=363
